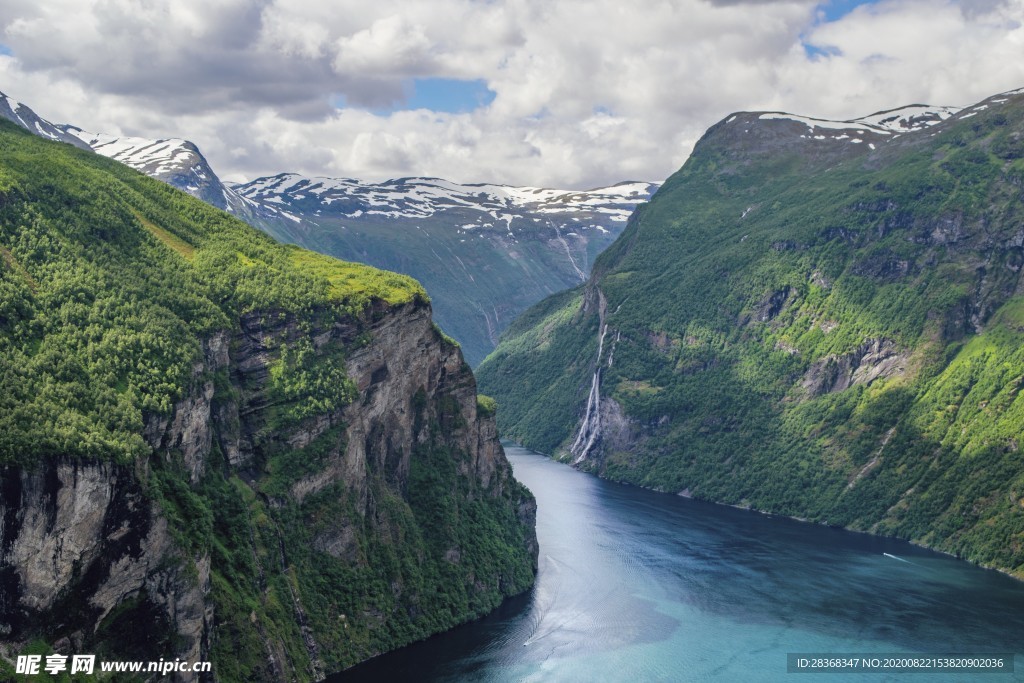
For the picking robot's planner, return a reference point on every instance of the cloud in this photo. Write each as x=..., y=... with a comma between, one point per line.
x=584, y=93
x=391, y=46
x=729, y=3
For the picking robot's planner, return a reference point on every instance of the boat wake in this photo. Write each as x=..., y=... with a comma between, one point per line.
x=898, y=558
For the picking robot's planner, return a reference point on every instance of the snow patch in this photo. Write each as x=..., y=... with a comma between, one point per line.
x=423, y=197
x=152, y=157
x=819, y=123
x=910, y=118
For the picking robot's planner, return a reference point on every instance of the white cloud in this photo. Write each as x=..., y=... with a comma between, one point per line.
x=391, y=46
x=586, y=93
x=292, y=36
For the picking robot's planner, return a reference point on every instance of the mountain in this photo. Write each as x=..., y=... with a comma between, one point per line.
x=215, y=447
x=175, y=161
x=812, y=318
x=21, y=115
x=484, y=252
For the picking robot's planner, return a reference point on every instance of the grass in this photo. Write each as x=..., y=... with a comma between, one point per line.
x=175, y=243
x=356, y=283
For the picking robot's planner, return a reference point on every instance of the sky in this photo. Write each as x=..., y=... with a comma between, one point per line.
x=552, y=93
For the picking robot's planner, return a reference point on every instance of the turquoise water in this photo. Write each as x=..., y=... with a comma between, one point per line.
x=638, y=586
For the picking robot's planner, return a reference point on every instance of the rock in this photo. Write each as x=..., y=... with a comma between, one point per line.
x=85, y=534
x=89, y=534
x=772, y=305
x=872, y=360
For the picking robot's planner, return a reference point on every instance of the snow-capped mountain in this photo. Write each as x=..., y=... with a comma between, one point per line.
x=484, y=252
x=892, y=122
x=816, y=136
x=871, y=129
x=784, y=135
x=907, y=119
x=424, y=197
x=175, y=161
x=22, y=115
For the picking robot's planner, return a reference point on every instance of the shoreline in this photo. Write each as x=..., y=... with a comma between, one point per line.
x=685, y=494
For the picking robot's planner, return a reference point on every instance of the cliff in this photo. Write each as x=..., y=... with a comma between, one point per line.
x=814, y=318
x=218, y=448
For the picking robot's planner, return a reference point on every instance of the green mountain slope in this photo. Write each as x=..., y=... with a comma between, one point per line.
x=824, y=326
x=217, y=447
x=478, y=285
x=485, y=253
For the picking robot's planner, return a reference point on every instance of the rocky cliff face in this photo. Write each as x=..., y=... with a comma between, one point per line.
x=87, y=548
x=872, y=360
x=83, y=548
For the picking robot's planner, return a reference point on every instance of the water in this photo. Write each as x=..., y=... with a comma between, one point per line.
x=636, y=586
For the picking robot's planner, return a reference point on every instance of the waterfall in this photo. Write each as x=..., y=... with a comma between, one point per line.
x=568, y=252
x=611, y=354
x=590, y=428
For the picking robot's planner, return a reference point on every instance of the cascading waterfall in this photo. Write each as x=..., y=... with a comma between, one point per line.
x=590, y=428
x=611, y=354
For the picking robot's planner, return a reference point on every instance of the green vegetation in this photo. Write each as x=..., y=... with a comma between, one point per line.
x=304, y=382
x=355, y=284
x=544, y=343
x=100, y=318
x=748, y=305
x=179, y=245
x=111, y=287
x=479, y=280
x=414, y=565
x=486, y=406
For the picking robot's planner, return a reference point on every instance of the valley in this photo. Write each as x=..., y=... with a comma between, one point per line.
x=284, y=463
x=484, y=252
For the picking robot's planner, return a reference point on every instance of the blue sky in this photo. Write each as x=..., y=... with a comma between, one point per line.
x=836, y=9
x=449, y=95
x=443, y=95
x=827, y=12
